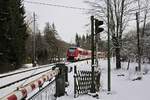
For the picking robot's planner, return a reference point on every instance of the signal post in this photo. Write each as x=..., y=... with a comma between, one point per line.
x=96, y=23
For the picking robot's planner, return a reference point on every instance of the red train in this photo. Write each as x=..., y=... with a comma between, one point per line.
x=76, y=53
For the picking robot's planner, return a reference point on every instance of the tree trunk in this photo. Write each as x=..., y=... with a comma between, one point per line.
x=128, y=64
x=118, y=60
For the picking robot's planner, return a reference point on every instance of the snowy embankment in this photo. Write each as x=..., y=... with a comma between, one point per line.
x=122, y=85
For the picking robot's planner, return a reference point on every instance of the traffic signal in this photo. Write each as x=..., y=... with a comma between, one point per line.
x=97, y=24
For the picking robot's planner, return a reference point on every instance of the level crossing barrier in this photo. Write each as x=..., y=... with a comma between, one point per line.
x=56, y=88
x=22, y=92
x=46, y=93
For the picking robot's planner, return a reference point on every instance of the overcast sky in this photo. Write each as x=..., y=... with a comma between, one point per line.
x=67, y=21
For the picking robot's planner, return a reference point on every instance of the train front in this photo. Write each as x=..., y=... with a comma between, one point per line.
x=72, y=54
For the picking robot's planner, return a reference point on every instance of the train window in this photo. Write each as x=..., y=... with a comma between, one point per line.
x=80, y=52
x=71, y=49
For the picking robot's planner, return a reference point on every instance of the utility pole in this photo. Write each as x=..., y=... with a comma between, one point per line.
x=138, y=42
x=92, y=56
x=33, y=42
x=108, y=54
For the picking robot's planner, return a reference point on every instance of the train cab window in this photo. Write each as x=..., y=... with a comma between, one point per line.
x=71, y=49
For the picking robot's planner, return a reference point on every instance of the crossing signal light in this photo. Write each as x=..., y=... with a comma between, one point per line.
x=97, y=24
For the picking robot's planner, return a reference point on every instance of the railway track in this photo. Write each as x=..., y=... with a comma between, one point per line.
x=10, y=82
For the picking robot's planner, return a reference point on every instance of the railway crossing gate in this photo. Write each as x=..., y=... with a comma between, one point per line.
x=55, y=88
x=83, y=81
x=47, y=87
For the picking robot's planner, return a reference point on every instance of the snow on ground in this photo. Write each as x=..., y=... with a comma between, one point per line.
x=122, y=87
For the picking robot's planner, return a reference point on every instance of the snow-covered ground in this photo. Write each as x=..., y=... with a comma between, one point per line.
x=122, y=85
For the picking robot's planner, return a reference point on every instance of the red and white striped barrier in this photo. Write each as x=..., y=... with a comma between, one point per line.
x=22, y=92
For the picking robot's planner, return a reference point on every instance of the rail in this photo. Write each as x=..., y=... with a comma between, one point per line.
x=2, y=76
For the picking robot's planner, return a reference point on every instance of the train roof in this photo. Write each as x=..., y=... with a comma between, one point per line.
x=81, y=49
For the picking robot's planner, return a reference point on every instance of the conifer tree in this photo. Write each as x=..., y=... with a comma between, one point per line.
x=4, y=18
x=14, y=33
